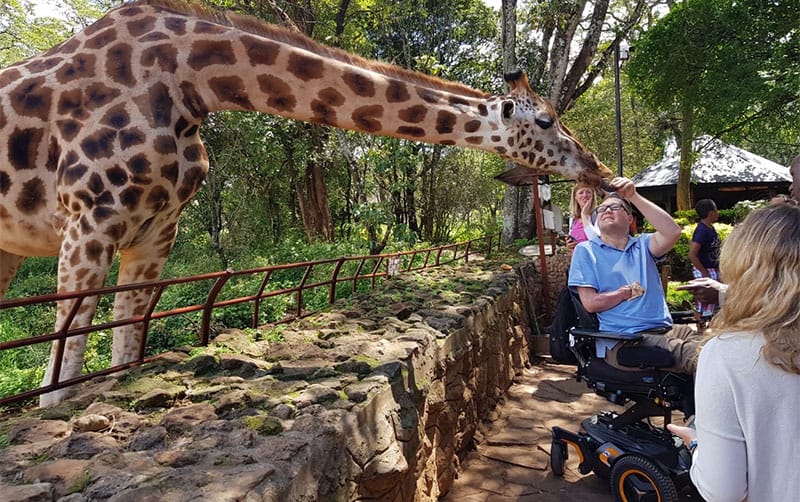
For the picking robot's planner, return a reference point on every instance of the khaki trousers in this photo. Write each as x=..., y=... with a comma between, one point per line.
x=682, y=341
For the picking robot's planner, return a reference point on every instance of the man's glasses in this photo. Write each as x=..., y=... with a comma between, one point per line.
x=610, y=207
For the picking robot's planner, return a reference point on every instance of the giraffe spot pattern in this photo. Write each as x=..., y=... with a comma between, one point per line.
x=32, y=99
x=118, y=65
x=323, y=114
x=5, y=182
x=193, y=153
x=397, y=92
x=81, y=66
x=193, y=101
x=68, y=47
x=472, y=125
x=139, y=169
x=141, y=26
x=53, y=154
x=205, y=53
x=367, y=117
x=101, y=39
x=103, y=23
x=155, y=36
x=99, y=145
x=94, y=251
x=156, y=105
x=130, y=11
x=457, y=100
x=69, y=175
x=331, y=96
x=71, y=103
x=165, y=144
x=131, y=137
x=191, y=182
x=280, y=94
x=260, y=52
x=102, y=213
x=231, y=90
x=116, y=176
x=41, y=65
x=482, y=110
x=414, y=132
x=445, y=122
x=428, y=95
x=163, y=55
x=86, y=227
x=170, y=172
x=305, y=67
x=359, y=83
x=99, y=95
x=413, y=114
x=176, y=25
x=31, y=197
x=116, y=117
x=130, y=197
x=208, y=28
x=474, y=140
x=23, y=145
x=9, y=76
x=117, y=231
x=157, y=199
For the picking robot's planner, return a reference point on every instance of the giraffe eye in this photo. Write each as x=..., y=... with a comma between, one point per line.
x=507, y=110
x=544, y=123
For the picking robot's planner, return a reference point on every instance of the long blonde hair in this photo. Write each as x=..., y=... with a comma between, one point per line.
x=760, y=261
x=574, y=207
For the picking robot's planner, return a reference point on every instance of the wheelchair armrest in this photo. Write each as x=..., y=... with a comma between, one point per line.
x=683, y=316
x=607, y=335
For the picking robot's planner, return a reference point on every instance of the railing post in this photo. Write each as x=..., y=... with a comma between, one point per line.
x=300, y=290
x=332, y=291
x=205, y=327
x=154, y=298
x=257, y=301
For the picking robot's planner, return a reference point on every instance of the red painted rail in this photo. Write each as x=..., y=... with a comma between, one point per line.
x=367, y=268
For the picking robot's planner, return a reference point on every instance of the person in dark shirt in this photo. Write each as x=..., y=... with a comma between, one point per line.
x=704, y=249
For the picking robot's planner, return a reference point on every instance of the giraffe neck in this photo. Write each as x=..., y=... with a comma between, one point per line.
x=269, y=72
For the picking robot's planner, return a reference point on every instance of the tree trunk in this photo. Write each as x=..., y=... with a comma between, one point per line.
x=312, y=194
x=517, y=220
x=683, y=195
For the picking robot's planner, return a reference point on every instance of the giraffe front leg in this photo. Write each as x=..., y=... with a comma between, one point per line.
x=9, y=265
x=140, y=264
x=83, y=264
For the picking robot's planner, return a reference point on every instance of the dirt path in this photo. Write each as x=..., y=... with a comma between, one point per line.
x=511, y=461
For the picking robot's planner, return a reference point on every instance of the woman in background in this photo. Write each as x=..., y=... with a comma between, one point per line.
x=581, y=205
x=748, y=376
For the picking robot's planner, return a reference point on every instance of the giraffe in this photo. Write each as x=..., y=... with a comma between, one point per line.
x=99, y=144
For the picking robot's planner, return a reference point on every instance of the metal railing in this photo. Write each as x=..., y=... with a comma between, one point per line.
x=364, y=269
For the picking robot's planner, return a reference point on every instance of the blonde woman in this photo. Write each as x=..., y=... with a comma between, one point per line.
x=581, y=205
x=747, y=388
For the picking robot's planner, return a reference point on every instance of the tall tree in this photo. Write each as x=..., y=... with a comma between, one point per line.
x=721, y=68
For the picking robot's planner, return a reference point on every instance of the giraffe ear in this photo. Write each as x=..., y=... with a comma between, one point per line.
x=507, y=108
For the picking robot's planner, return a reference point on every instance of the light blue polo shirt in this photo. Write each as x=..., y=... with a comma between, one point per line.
x=605, y=268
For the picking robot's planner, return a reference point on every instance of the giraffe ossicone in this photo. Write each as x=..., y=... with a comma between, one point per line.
x=100, y=151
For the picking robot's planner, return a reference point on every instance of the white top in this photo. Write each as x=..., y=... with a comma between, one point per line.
x=748, y=418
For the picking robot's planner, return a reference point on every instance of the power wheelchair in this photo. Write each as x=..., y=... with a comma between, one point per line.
x=642, y=460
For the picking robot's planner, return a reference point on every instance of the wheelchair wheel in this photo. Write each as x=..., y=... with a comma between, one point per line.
x=637, y=479
x=558, y=456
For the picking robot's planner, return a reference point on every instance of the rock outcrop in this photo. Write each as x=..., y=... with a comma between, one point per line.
x=376, y=399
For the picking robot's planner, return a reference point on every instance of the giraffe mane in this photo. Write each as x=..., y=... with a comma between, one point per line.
x=258, y=27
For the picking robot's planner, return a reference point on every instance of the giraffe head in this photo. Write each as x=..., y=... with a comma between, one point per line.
x=538, y=140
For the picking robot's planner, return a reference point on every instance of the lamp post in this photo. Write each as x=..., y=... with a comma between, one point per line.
x=621, y=53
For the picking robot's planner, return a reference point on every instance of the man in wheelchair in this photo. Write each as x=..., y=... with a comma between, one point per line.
x=629, y=349
x=616, y=276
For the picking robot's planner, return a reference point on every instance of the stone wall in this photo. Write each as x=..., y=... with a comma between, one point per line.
x=377, y=400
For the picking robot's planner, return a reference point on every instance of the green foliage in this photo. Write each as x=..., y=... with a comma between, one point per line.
x=732, y=63
x=678, y=300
